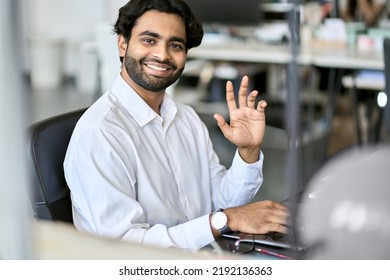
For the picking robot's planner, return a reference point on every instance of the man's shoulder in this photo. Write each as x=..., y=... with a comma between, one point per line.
x=186, y=109
x=96, y=116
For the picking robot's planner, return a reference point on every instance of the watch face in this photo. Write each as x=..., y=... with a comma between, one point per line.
x=218, y=220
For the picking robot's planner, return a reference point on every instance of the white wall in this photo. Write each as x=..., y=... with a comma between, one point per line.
x=74, y=21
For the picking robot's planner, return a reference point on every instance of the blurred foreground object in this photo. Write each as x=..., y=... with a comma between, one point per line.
x=61, y=241
x=347, y=206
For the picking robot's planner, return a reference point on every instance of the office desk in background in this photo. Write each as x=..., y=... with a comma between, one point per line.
x=251, y=51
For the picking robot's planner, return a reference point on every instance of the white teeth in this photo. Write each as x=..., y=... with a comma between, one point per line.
x=157, y=68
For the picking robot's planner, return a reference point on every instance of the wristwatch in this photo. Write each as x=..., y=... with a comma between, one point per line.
x=219, y=221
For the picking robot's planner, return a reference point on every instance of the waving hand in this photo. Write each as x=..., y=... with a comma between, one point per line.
x=247, y=121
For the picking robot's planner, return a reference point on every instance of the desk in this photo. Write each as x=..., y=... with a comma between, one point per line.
x=256, y=52
x=246, y=51
x=347, y=58
x=364, y=82
x=61, y=241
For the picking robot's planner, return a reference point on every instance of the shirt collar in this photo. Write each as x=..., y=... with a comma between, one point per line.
x=138, y=108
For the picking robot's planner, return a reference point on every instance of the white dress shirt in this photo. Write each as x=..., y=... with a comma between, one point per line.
x=153, y=179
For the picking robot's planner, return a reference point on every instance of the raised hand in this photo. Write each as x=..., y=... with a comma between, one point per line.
x=247, y=121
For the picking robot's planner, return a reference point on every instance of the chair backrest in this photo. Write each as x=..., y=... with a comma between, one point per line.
x=386, y=52
x=48, y=142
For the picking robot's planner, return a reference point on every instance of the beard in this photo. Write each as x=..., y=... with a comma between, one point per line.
x=149, y=82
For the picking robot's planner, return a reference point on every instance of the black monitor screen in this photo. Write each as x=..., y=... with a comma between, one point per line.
x=227, y=12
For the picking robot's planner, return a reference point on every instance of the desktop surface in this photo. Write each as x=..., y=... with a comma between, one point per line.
x=254, y=51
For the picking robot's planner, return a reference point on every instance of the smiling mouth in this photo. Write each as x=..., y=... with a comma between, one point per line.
x=154, y=67
x=158, y=68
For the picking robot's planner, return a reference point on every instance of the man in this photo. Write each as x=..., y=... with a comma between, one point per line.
x=142, y=168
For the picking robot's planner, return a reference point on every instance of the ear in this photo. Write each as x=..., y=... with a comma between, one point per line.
x=122, y=45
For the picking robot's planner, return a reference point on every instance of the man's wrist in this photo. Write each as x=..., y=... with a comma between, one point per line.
x=232, y=224
x=219, y=222
x=249, y=155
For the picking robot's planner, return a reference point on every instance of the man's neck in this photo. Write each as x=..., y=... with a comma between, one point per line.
x=153, y=99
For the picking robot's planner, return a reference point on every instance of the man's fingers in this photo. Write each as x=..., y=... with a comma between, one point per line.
x=252, y=99
x=278, y=217
x=261, y=105
x=242, y=93
x=225, y=128
x=220, y=120
x=231, y=102
x=270, y=227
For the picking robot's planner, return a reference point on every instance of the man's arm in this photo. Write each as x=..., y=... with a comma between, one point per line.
x=246, y=130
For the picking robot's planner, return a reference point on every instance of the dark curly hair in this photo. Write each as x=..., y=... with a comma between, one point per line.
x=130, y=12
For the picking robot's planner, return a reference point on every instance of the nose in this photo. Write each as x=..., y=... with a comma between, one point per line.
x=161, y=52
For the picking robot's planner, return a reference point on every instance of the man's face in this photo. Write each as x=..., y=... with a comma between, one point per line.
x=155, y=55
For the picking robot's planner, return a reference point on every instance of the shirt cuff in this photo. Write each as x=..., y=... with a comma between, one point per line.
x=259, y=162
x=198, y=232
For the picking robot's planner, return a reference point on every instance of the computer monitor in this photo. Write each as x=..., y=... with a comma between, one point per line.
x=230, y=13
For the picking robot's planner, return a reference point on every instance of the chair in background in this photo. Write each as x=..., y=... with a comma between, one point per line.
x=48, y=142
x=366, y=82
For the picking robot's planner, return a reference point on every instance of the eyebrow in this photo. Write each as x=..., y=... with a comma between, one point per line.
x=156, y=35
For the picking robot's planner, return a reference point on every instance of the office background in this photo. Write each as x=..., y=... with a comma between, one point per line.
x=70, y=32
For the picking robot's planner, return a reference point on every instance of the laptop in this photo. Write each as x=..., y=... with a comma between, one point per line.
x=274, y=239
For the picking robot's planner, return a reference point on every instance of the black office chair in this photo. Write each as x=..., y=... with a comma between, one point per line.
x=48, y=142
